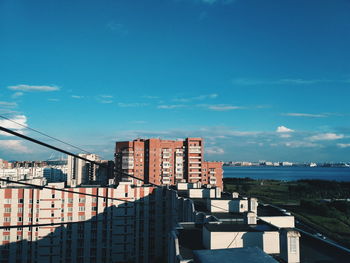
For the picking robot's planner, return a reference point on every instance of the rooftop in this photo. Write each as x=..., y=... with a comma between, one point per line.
x=233, y=255
x=225, y=227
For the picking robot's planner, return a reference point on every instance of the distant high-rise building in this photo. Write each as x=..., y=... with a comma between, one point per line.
x=80, y=172
x=167, y=162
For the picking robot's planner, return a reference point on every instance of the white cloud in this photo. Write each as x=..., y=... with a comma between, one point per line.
x=105, y=99
x=33, y=88
x=77, y=97
x=10, y=124
x=214, y=150
x=282, y=129
x=169, y=107
x=8, y=104
x=343, y=145
x=200, y=97
x=223, y=107
x=301, y=144
x=14, y=146
x=305, y=115
x=295, y=81
x=106, y=96
x=326, y=137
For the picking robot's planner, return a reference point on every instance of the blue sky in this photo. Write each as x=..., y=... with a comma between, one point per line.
x=258, y=79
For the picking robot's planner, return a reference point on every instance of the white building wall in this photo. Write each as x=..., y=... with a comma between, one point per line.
x=279, y=221
x=94, y=229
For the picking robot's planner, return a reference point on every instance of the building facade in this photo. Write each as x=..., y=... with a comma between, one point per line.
x=167, y=162
x=80, y=172
x=48, y=225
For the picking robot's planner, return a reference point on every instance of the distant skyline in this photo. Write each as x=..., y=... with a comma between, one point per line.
x=258, y=80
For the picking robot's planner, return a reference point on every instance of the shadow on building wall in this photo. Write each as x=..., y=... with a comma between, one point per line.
x=130, y=232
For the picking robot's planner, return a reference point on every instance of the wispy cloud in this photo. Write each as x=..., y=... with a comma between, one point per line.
x=343, y=145
x=105, y=99
x=118, y=28
x=7, y=104
x=11, y=123
x=197, y=98
x=326, y=137
x=295, y=81
x=223, y=107
x=15, y=146
x=301, y=144
x=309, y=115
x=23, y=87
x=214, y=150
x=77, y=97
x=169, y=107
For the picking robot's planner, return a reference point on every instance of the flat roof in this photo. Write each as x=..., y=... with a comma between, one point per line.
x=233, y=255
x=232, y=227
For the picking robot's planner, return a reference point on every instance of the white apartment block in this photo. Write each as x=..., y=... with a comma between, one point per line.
x=44, y=225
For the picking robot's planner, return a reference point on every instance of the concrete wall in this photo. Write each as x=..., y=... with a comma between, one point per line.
x=279, y=221
x=234, y=205
x=267, y=241
x=271, y=242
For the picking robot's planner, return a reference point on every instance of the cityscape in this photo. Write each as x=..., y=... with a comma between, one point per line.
x=174, y=131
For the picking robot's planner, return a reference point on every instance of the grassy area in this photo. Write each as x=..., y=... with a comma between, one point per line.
x=306, y=200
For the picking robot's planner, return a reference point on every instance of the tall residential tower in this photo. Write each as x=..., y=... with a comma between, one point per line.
x=167, y=162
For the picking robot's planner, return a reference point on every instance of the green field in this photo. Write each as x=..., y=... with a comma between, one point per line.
x=315, y=202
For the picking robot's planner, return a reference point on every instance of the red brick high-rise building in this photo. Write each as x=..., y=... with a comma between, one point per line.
x=166, y=162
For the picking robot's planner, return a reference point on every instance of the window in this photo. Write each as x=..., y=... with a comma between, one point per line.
x=19, y=219
x=81, y=217
x=20, y=201
x=81, y=200
x=7, y=219
x=94, y=208
x=292, y=244
x=8, y=201
x=81, y=208
x=6, y=238
x=53, y=195
x=70, y=218
x=70, y=200
x=20, y=209
x=19, y=237
x=7, y=209
x=70, y=209
x=52, y=214
x=52, y=205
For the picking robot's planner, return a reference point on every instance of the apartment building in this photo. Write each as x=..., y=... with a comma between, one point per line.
x=49, y=225
x=80, y=172
x=167, y=162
